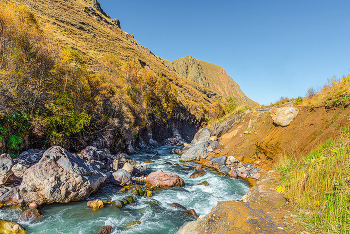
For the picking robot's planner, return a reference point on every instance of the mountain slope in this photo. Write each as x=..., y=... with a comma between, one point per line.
x=79, y=25
x=211, y=76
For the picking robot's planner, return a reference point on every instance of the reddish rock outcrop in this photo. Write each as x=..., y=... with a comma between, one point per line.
x=164, y=179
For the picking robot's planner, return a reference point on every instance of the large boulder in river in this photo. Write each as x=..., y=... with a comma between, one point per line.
x=5, y=168
x=164, y=179
x=121, y=177
x=196, y=152
x=201, y=136
x=198, y=147
x=60, y=177
x=284, y=116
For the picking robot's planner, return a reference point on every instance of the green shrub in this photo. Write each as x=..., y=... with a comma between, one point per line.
x=63, y=120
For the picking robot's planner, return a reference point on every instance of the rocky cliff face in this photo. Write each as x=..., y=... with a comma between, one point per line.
x=211, y=76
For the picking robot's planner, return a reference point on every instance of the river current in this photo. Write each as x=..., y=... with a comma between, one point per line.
x=155, y=213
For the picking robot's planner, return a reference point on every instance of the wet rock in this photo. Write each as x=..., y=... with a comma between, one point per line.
x=284, y=116
x=117, y=204
x=149, y=161
x=164, y=179
x=204, y=183
x=19, y=169
x=197, y=174
x=132, y=224
x=128, y=167
x=95, y=204
x=5, y=168
x=220, y=160
x=11, y=227
x=121, y=177
x=31, y=215
x=60, y=176
x=106, y=230
x=149, y=193
x=190, y=213
x=177, y=205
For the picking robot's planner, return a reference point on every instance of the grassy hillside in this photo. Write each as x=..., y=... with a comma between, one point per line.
x=211, y=76
x=75, y=24
x=69, y=75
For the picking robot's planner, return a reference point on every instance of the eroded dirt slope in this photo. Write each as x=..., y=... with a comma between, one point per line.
x=256, y=137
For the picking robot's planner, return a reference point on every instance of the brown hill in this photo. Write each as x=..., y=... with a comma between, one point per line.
x=211, y=76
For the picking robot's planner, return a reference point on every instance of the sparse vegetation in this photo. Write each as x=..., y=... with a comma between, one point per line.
x=319, y=184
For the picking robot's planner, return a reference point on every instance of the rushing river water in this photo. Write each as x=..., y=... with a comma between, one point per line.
x=155, y=213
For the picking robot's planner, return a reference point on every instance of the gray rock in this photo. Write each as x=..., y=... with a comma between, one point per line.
x=220, y=160
x=196, y=152
x=60, y=176
x=224, y=169
x=201, y=136
x=284, y=116
x=121, y=177
x=5, y=168
x=130, y=149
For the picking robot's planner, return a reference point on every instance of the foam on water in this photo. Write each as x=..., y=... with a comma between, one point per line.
x=155, y=213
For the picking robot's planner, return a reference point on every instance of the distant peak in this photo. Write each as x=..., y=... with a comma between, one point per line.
x=95, y=4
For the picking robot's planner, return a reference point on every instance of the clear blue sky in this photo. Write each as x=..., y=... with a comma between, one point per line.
x=271, y=48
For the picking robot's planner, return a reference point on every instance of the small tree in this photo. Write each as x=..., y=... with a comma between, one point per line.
x=310, y=92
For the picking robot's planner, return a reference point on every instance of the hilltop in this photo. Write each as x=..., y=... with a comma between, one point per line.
x=211, y=76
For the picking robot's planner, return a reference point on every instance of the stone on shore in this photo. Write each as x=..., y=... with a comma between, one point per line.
x=220, y=160
x=284, y=116
x=6, y=164
x=121, y=177
x=128, y=167
x=164, y=179
x=61, y=177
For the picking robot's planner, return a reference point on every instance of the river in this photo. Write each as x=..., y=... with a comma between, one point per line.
x=155, y=213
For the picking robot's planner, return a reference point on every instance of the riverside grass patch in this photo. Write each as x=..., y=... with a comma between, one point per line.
x=319, y=185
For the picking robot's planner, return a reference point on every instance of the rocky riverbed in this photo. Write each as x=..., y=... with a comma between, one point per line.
x=47, y=191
